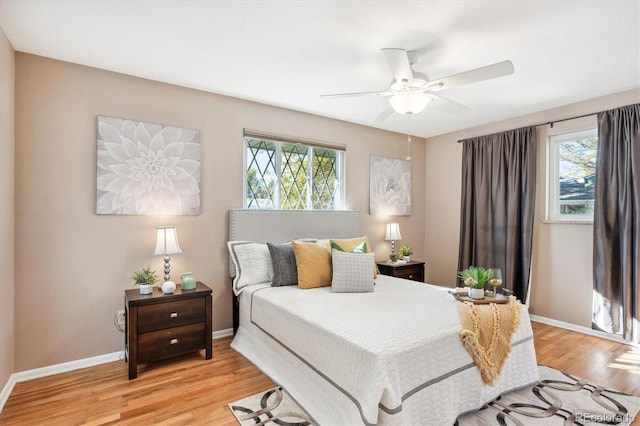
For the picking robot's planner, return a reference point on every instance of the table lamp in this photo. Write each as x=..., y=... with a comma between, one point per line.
x=393, y=235
x=167, y=244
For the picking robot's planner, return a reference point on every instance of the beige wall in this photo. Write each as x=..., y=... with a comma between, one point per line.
x=7, y=145
x=72, y=265
x=562, y=265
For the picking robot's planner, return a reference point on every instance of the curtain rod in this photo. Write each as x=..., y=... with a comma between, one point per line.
x=551, y=123
x=293, y=140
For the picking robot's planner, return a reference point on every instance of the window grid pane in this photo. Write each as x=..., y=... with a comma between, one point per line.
x=292, y=176
x=293, y=180
x=261, y=174
x=325, y=183
x=572, y=176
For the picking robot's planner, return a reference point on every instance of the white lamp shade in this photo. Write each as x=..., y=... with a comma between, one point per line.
x=409, y=103
x=167, y=241
x=393, y=232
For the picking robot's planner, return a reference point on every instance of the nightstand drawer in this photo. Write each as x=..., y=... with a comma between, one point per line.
x=172, y=314
x=411, y=273
x=413, y=270
x=171, y=341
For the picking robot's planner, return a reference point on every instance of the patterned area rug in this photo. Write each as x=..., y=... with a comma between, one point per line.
x=557, y=399
x=274, y=405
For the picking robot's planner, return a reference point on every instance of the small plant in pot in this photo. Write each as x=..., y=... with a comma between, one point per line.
x=145, y=278
x=475, y=277
x=406, y=252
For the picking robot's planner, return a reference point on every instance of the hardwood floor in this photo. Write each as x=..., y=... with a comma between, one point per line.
x=599, y=360
x=192, y=391
x=188, y=390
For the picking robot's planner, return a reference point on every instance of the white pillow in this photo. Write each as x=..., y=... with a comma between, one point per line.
x=252, y=263
x=352, y=272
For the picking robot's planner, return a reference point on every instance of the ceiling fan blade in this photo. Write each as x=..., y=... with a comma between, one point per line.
x=384, y=114
x=356, y=94
x=488, y=72
x=399, y=64
x=448, y=105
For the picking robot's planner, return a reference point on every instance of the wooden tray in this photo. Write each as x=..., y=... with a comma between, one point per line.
x=462, y=296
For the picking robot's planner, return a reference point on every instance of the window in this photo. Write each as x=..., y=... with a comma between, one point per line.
x=288, y=175
x=572, y=174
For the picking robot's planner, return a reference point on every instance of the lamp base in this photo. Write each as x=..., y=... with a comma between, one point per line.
x=167, y=268
x=168, y=287
x=393, y=256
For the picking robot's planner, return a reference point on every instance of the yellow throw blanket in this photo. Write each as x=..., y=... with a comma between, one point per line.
x=486, y=334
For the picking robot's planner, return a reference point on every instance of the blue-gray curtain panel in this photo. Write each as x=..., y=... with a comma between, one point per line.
x=498, y=205
x=616, y=224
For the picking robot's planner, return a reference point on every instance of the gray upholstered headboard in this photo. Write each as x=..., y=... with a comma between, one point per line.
x=280, y=226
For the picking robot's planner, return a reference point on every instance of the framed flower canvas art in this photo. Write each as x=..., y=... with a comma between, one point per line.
x=389, y=187
x=145, y=168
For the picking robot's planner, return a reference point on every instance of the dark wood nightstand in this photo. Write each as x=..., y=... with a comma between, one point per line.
x=412, y=270
x=164, y=325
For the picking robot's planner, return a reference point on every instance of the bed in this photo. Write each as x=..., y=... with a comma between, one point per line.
x=390, y=356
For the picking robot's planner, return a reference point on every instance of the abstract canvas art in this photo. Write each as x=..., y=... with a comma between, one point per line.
x=146, y=168
x=390, y=186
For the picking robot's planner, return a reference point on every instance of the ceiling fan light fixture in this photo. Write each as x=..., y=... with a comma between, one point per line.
x=409, y=103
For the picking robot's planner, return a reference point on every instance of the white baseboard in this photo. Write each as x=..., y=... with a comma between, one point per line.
x=580, y=329
x=36, y=373
x=222, y=333
x=6, y=391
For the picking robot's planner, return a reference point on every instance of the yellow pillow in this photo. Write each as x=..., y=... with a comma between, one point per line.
x=313, y=262
x=354, y=245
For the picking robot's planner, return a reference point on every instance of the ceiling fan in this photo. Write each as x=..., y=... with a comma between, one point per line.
x=411, y=91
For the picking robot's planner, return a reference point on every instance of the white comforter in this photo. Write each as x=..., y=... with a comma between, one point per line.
x=388, y=357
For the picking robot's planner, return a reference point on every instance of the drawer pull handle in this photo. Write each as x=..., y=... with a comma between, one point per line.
x=173, y=315
x=174, y=341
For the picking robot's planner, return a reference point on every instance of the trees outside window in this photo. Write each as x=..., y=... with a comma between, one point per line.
x=292, y=176
x=571, y=178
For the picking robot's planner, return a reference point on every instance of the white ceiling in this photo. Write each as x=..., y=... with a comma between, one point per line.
x=286, y=53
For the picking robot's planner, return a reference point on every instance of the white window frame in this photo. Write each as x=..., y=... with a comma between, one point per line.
x=339, y=201
x=553, y=214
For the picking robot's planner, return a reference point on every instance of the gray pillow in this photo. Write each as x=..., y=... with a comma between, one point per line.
x=352, y=272
x=283, y=259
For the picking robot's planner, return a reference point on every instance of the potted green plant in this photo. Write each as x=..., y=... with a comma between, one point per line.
x=406, y=252
x=475, y=277
x=145, y=278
